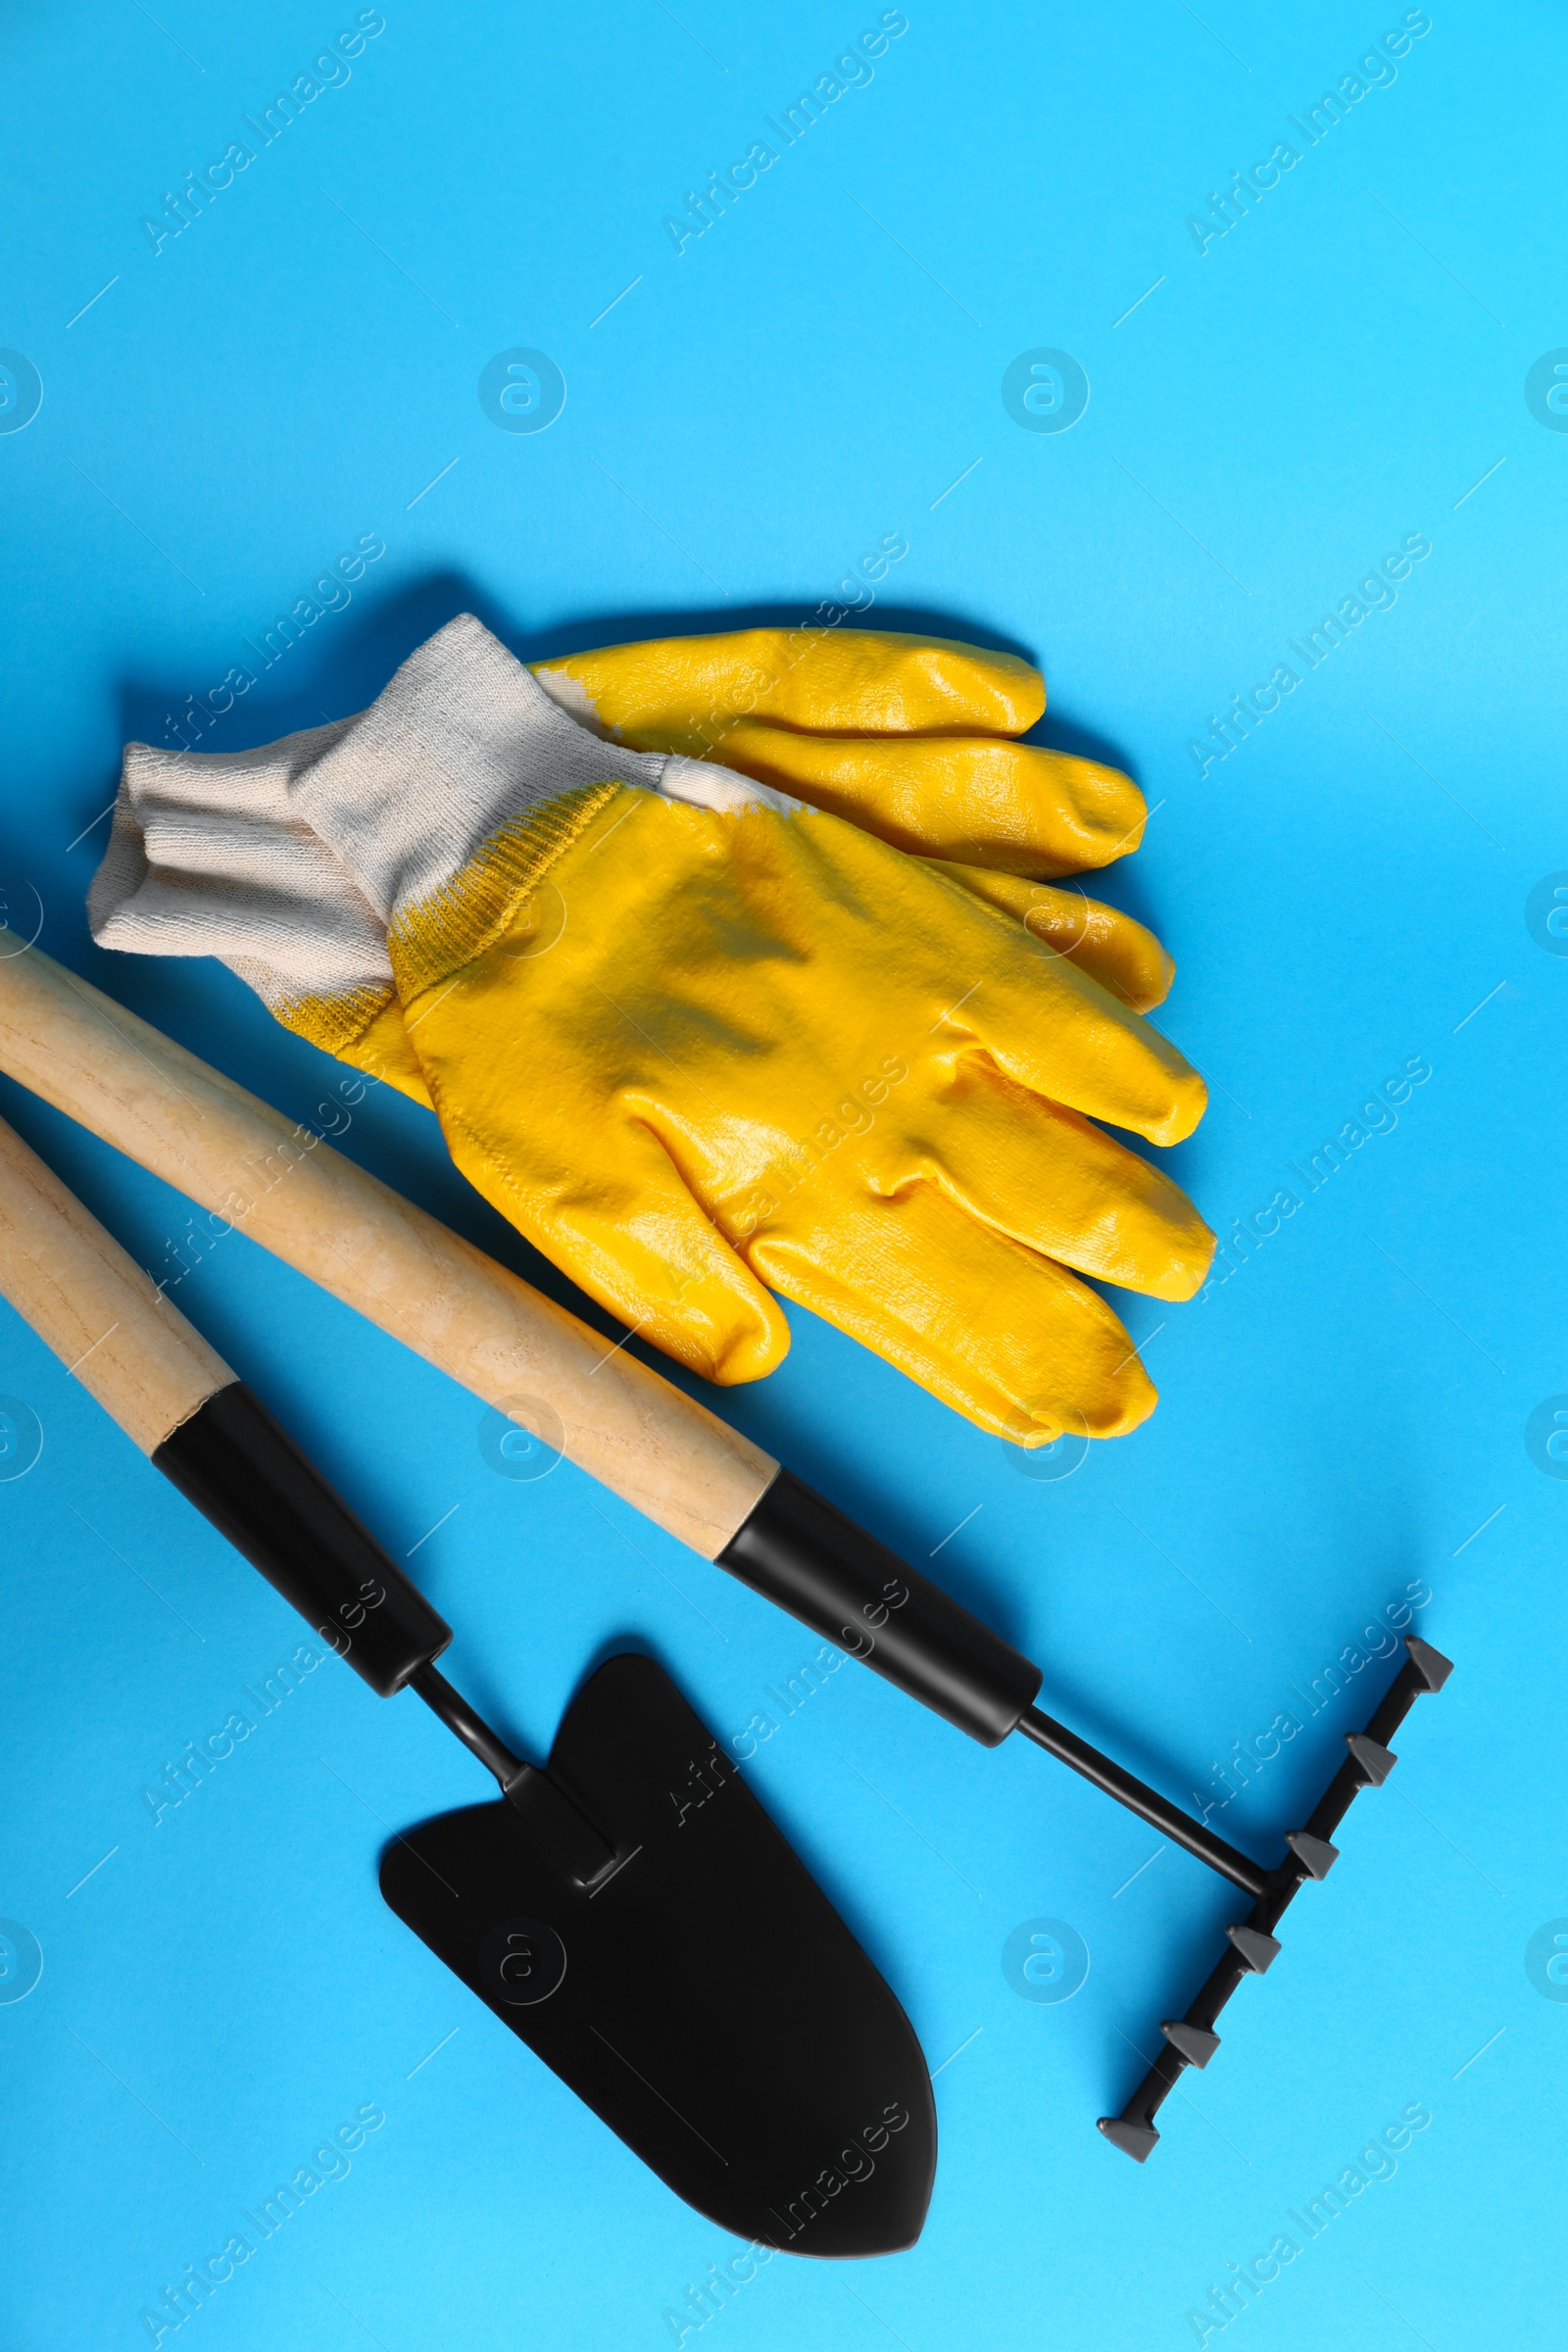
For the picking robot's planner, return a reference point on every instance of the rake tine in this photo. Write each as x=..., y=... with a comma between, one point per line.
x=1192, y=2041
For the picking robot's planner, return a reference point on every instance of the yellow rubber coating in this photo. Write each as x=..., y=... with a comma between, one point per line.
x=736, y=1055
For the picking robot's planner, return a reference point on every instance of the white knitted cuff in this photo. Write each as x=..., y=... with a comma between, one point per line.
x=207, y=856
x=290, y=862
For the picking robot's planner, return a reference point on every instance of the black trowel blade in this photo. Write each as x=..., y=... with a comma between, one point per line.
x=704, y=1999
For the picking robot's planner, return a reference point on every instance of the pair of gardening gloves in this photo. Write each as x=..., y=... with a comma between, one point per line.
x=730, y=966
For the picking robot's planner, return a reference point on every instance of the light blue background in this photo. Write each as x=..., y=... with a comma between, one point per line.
x=1344, y=890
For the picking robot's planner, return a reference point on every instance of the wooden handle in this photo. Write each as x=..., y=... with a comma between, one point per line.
x=104, y=1319
x=286, y=1189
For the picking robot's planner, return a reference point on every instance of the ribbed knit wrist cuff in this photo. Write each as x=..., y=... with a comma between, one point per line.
x=427, y=817
x=463, y=741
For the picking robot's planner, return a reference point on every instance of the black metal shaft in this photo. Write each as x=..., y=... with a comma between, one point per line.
x=1138, y=1798
x=550, y=1813
x=471, y=1729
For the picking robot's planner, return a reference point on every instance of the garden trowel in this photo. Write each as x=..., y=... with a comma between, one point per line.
x=629, y=1911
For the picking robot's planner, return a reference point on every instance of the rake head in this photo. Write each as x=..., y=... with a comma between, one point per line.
x=1192, y=2041
x=799, y=1551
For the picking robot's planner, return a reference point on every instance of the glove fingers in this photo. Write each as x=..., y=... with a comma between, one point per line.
x=1054, y=1182
x=1004, y=1336
x=1126, y=960
x=1046, y=1023
x=675, y=693
x=971, y=798
x=617, y=1219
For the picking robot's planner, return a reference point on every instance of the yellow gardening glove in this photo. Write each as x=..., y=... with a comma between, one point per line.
x=908, y=737
x=699, y=1041
x=765, y=1049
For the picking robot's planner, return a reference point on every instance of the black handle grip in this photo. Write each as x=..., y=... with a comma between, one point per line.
x=797, y=1549
x=249, y=1478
